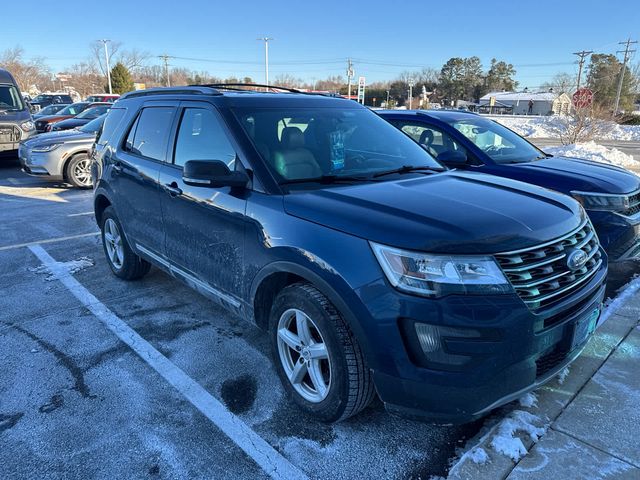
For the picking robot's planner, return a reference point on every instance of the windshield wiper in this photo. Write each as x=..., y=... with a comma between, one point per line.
x=327, y=179
x=409, y=169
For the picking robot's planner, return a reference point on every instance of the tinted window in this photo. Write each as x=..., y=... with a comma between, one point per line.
x=201, y=137
x=94, y=112
x=10, y=98
x=432, y=139
x=110, y=124
x=93, y=126
x=149, y=135
x=73, y=109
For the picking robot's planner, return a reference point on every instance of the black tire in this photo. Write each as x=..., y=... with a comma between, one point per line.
x=132, y=266
x=351, y=388
x=72, y=175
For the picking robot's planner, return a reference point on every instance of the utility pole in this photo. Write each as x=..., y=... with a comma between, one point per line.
x=387, y=104
x=106, y=57
x=165, y=58
x=266, y=58
x=411, y=84
x=626, y=52
x=582, y=55
x=350, y=74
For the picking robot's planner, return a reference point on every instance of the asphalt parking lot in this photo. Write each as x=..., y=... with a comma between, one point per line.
x=106, y=379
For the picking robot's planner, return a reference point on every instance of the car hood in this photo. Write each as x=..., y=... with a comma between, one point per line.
x=576, y=174
x=11, y=117
x=54, y=118
x=73, y=122
x=59, y=137
x=451, y=212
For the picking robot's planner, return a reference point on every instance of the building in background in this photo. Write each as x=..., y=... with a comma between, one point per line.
x=542, y=103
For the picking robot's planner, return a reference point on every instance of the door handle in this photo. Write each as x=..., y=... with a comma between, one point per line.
x=173, y=189
x=117, y=167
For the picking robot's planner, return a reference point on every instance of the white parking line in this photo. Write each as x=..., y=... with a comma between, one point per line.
x=272, y=462
x=48, y=240
x=79, y=214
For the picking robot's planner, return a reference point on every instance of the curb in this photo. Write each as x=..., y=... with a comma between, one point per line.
x=528, y=422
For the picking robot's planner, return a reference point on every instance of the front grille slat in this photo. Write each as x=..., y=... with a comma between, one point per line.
x=541, y=275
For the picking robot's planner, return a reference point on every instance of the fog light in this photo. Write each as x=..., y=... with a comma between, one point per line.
x=432, y=344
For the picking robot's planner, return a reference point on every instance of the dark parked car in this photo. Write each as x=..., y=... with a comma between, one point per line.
x=46, y=99
x=365, y=260
x=81, y=119
x=44, y=124
x=610, y=194
x=103, y=97
x=15, y=119
x=49, y=110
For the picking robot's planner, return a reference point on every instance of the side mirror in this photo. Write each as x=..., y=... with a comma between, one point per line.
x=453, y=158
x=212, y=173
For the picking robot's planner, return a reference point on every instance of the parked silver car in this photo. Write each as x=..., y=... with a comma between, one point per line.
x=62, y=155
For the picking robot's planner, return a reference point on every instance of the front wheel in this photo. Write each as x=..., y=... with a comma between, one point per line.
x=78, y=171
x=317, y=356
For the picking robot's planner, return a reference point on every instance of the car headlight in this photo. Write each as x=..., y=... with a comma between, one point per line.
x=27, y=126
x=45, y=148
x=599, y=201
x=439, y=275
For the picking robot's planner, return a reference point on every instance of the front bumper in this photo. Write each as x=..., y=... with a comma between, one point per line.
x=517, y=351
x=11, y=147
x=40, y=164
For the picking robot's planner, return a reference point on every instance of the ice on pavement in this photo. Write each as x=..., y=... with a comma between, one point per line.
x=594, y=152
x=506, y=440
x=562, y=376
x=70, y=267
x=478, y=455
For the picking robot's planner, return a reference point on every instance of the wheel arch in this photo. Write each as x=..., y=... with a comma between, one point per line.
x=69, y=158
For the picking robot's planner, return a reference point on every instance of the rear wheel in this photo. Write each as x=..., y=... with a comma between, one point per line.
x=123, y=262
x=317, y=356
x=78, y=171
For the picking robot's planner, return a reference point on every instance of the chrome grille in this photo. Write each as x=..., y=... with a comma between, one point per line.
x=634, y=205
x=541, y=276
x=9, y=134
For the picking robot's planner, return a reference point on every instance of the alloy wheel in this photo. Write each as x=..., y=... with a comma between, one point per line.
x=113, y=243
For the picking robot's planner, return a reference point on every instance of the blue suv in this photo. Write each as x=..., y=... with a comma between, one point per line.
x=372, y=268
x=466, y=141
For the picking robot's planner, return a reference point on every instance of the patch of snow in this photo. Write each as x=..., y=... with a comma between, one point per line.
x=596, y=153
x=611, y=306
x=71, y=267
x=562, y=376
x=506, y=440
x=549, y=126
x=478, y=455
x=528, y=400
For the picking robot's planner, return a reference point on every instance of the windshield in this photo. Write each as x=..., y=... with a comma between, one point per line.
x=94, y=125
x=498, y=142
x=73, y=109
x=10, y=98
x=94, y=112
x=307, y=143
x=50, y=110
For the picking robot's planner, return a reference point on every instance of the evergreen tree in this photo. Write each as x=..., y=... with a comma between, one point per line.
x=121, y=81
x=603, y=77
x=500, y=77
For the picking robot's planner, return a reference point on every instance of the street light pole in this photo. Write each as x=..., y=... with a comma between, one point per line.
x=106, y=56
x=266, y=58
x=350, y=74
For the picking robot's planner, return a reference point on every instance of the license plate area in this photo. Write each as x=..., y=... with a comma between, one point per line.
x=584, y=327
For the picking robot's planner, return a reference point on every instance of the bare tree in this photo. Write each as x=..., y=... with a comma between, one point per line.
x=582, y=125
x=561, y=83
x=287, y=80
x=28, y=73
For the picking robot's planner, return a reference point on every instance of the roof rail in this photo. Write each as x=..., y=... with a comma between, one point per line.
x=189, y=90
x=236, y=86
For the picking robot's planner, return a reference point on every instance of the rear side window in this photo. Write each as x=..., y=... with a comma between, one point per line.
x=114, y=117
x=202, y=137
x=150, y=132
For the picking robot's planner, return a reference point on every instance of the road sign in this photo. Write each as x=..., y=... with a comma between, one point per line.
x=583, y=98
x=361, y=86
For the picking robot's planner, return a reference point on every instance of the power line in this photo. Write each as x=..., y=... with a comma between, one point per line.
x=582, y=55
x=627, y=53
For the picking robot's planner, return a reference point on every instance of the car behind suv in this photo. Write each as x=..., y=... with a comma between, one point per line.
x=372, y=267
x=15, y=119
x=466, y=141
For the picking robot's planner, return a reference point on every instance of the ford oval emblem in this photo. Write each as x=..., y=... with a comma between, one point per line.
x=576, y=259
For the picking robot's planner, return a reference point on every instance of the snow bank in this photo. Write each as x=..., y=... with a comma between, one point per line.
x=597, y=153
x=506, y=440
x=548, y=127
x=71, y=267
x=528, y=400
